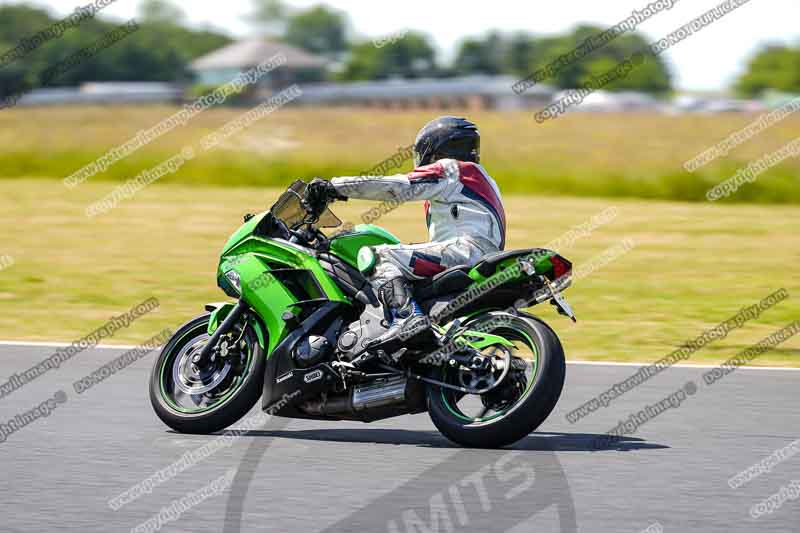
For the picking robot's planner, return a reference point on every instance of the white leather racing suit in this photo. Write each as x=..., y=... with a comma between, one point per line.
x=463, y=209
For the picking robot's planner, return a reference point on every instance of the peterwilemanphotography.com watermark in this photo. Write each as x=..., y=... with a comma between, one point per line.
x=18, y=380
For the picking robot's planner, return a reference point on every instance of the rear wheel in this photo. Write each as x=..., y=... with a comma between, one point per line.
x=519, y=404
x=194, y=397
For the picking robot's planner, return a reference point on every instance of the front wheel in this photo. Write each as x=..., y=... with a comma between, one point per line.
x=194, y=397
x=523, y=399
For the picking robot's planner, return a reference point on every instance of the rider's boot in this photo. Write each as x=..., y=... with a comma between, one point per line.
x=408, y=323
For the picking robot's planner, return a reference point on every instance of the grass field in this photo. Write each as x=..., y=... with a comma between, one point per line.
x=577, y=155
x=693, y=265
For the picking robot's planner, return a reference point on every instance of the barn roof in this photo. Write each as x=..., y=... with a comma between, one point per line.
x=251, y=52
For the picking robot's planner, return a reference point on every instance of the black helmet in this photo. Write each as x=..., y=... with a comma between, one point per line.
x=447, y=137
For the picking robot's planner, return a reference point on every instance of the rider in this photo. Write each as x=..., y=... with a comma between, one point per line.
x=463, y=210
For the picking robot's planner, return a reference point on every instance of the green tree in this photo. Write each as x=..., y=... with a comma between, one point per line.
x=523, y=50
x=320, y=30
x=18, y=21
x=774, y=67
x=161, y=11
x=410, y=57
x=652, y=76
x=269, y=16
x=487, y=56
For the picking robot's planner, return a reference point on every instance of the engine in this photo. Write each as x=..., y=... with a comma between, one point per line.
x=370, y=325
x=312, y=350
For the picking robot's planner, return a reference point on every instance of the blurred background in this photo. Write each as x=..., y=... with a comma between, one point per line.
x=371, y=74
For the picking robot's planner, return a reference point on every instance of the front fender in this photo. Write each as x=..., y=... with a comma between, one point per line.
x=218, y=313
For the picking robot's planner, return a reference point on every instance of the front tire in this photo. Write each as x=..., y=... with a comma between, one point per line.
x=212, y=399
x=534, y=404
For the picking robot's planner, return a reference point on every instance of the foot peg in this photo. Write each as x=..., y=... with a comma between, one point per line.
x=445, y=340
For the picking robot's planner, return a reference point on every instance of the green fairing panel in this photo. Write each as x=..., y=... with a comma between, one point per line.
x=542, y=264
x=253, y=257
x=245, y=230
x=347, y=245
x=479, y=340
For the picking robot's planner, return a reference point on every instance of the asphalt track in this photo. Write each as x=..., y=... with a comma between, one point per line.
x=59, y=472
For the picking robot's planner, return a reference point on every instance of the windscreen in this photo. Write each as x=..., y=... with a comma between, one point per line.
x=290, y=210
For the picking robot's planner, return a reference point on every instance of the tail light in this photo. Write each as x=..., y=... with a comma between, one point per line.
x=561, y=267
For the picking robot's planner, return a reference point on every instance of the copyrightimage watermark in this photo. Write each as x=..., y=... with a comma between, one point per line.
x=656, y=48
x=674, y=400
x=176, y=508
x=577, y=96
x=180, y=118
x=737, y=138
x=127, y=190
x=29, y=44
x=788, y=492
x=765, y=465
x=380, y=42
x=49, y=75
x=30, y=416
x=247, y=119
x=188, y=153
x=61, y=355
x=753, y=171
x=720, y=331
x=193, y=457
x=638, y=419
x=122, y=362
x=593, y=43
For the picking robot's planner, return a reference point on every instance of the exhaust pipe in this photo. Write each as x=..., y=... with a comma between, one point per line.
x=382, y=393
x=379, y=394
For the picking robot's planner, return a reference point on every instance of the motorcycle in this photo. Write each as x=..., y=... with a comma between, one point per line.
x=301, y=336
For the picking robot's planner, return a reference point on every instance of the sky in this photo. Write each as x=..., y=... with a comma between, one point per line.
x=707, y=61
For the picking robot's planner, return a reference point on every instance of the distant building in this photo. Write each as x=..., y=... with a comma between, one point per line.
x=106, y=93
x=615, y=102
x=714, y=103
x=308, y=70
x=224, y=64
x=470, y=92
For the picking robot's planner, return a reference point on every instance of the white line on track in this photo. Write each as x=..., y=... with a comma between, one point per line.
x=63, y=344
x=586, y=363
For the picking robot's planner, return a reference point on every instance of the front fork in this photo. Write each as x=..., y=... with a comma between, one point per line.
x=233, y=317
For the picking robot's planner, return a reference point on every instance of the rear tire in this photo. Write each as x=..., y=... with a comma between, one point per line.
x=530, y=411
x=227, y=411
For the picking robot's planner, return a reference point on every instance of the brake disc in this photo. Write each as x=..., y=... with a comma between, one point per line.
x=194, y=380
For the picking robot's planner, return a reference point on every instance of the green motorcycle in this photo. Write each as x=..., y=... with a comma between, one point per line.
x=299, y=336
